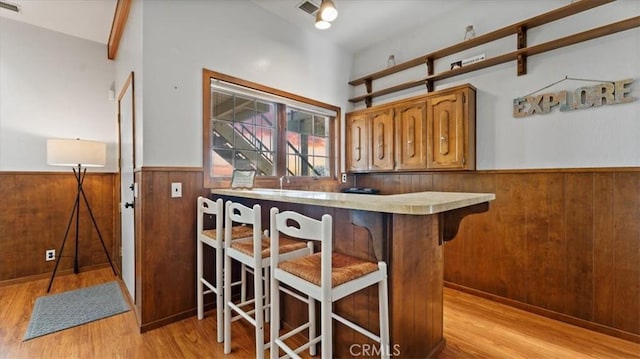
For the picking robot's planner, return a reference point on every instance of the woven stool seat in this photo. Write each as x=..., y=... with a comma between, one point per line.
x=236, y=232
x=287, y=245
x=345, y=268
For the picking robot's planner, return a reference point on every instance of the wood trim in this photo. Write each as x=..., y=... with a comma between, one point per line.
x=117, y=27
x=520, y=55
x=269, y=181
x=530, y=23
x=548, y=313
x=255, y=86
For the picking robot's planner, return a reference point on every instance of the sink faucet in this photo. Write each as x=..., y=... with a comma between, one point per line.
x=284, y=177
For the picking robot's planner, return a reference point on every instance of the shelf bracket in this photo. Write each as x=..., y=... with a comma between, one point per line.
x=429, y=63
x=368, y=100
x=522, y=43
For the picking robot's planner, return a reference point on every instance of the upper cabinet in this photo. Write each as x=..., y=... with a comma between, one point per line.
x=411, y=134
x=357, y=138
x=451, y=129
x=432, y=132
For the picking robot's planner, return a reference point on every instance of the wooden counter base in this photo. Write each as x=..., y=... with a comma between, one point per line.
x=411, y=245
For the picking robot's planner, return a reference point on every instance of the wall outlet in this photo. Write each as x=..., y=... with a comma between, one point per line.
x=50, y=255
x=343, y=178
x=176, y=189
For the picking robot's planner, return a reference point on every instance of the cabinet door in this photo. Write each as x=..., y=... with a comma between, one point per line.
x=381, y=153
x=411, y=152
x=450, y=133
x=356, y=136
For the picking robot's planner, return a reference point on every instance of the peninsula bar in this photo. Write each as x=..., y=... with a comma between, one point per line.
x=407, y=231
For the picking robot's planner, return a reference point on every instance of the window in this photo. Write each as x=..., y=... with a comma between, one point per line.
x=252, y=127
x=307, y=144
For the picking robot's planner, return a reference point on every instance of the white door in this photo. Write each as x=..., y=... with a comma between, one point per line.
x=128, y=189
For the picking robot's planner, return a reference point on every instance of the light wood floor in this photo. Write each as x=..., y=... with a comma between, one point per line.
x=474, y=328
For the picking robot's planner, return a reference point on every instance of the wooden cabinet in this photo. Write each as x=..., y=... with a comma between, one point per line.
x=432, y=132
x=356, y=138
x=382, y=136
x=451, y=129
x=369, y=141
x=411, y=149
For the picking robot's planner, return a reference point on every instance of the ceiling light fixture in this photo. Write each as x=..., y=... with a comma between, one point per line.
x=328, y=11
x=321, y=24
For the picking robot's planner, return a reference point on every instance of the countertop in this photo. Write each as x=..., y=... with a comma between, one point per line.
x=415, y=203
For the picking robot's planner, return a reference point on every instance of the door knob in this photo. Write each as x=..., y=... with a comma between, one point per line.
x=131, y=187
x=128, y=205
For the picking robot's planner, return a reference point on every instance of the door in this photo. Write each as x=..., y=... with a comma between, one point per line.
x=356, y=143
x=411, y=151
x=447, y=131
x=127, y=186
x=382, y=133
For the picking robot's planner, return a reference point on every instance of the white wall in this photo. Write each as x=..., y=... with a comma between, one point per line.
x=236, y=38
x=52, y=85
x=129, y=59
x=607, y=136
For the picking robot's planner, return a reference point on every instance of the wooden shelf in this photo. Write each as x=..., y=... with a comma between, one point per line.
x=520, y=54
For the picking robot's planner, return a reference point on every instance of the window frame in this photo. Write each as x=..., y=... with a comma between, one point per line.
x=281, y=129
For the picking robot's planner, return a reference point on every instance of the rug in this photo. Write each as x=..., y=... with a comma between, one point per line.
x=53, y=313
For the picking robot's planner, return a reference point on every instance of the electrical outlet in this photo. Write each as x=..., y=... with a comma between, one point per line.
x=176, y=189
x=50, y=255
x=344, y=178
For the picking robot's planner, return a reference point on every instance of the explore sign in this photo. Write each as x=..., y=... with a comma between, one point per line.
x=608, y=93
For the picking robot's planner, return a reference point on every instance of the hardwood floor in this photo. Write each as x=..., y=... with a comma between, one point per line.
x=474, y=328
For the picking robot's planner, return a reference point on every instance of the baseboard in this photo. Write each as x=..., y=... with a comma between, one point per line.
x=614, y=332
x=167, y=320
x=59, y=273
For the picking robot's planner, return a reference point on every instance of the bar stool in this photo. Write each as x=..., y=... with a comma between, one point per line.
x=326, y=277
x=214, y=239
x=253, y=252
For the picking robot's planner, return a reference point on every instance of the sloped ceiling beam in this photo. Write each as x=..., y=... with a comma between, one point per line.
x=117, y=28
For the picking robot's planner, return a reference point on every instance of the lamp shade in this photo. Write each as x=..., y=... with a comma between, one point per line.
x=76, y=152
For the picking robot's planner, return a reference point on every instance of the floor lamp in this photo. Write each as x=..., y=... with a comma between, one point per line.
x=78, y=154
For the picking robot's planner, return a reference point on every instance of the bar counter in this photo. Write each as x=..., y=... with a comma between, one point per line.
x=407, y=231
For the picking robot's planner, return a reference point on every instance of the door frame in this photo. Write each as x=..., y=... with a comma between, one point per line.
x=127, y=86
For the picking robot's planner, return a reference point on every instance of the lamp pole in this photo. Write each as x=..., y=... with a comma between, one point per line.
x=80, y=175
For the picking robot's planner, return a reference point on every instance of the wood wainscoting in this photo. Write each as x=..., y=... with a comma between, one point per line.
x=166, y=245
x=561, y=243
x=34, y=213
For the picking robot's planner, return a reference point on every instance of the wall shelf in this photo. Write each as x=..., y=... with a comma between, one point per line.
x=519, y=55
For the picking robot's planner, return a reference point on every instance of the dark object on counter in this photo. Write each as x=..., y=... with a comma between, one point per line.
x=360, y=190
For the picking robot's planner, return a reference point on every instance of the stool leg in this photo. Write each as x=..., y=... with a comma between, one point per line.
x=275, y=318
x=267, y=294
x=243, y=283
x=199, y=284
x=227, y=309
x=312, y=325
x=326, y=328
x=384, y=318
x=259, y=310
x=219, y=293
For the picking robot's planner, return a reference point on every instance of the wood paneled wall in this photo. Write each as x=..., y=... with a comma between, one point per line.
x=34, y=212
x=166, y=246
x=562, y=243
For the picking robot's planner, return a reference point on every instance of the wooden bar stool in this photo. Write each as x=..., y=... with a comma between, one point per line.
x=214, y=238
x=326, y=277
x=253, y=251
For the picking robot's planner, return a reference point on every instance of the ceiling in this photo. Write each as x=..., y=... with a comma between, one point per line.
x=88, y=19
x=360, y=23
